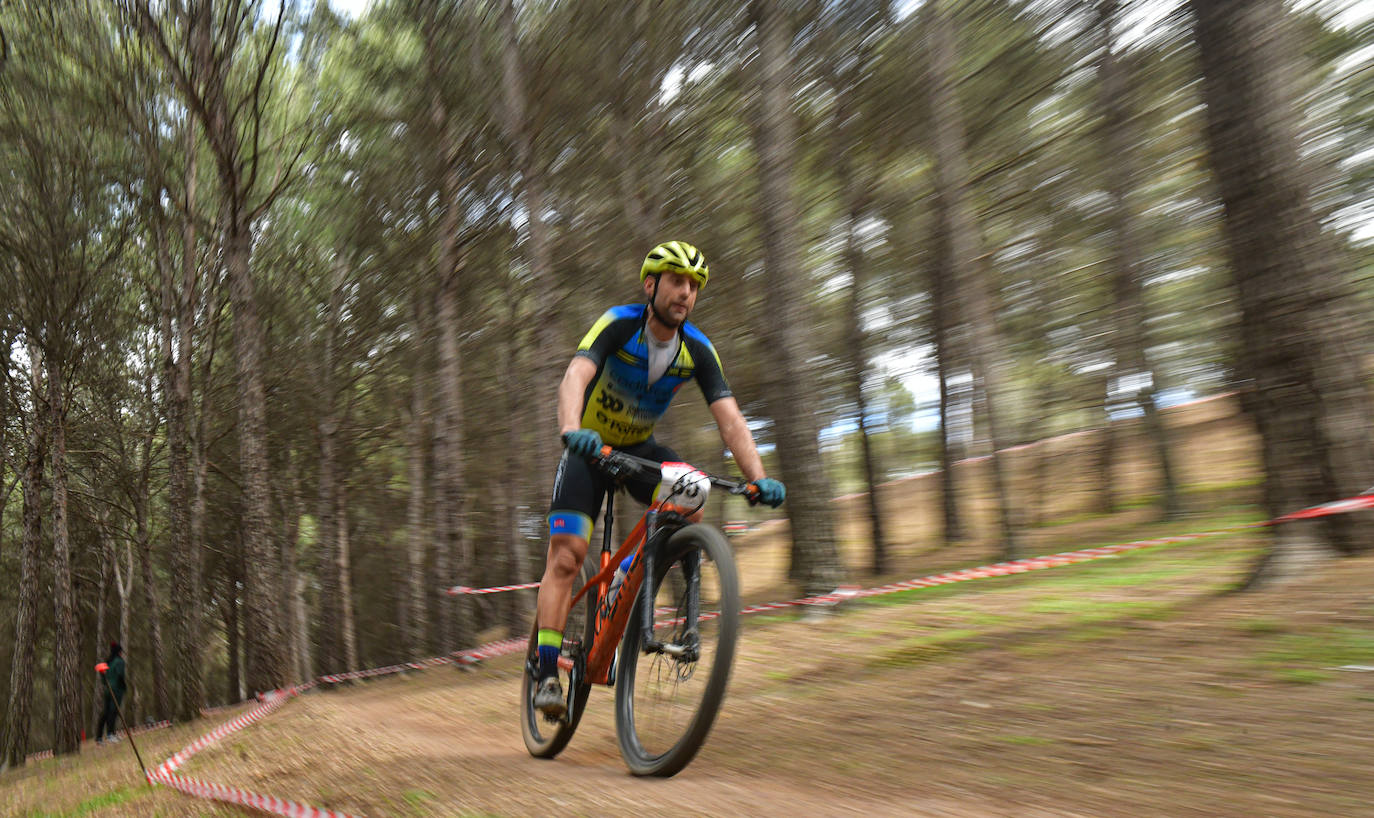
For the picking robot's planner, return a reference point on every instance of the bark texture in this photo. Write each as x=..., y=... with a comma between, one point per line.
x=178, y=325
x=815, y=559
x=961, y=251
x=1129, y=325
x=1299, y=337
x=19, y=709
x=66, y=656
x=539, y=252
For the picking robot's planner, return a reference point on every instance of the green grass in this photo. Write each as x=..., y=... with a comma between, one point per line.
x=1131, y=569
x=1262, y=626
x=920, y=649
x=98, y=802
x=1310, y=657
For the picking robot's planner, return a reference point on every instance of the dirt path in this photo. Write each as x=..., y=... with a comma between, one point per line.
x=855, y=715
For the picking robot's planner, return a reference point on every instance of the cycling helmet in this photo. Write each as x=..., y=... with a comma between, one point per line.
x=676, y=257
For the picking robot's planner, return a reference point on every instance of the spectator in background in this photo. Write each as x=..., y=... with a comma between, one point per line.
x=114, y=695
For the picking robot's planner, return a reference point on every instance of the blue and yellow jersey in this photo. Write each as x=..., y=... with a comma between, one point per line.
x=620, y=403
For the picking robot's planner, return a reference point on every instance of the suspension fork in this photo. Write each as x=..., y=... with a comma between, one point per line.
x=649, y=590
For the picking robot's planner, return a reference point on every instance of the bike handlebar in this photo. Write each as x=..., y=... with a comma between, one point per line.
x=620, y=465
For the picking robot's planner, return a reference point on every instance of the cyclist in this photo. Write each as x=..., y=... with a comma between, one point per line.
x=626, y=371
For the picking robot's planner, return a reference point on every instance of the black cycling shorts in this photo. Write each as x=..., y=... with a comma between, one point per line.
x=579, y=488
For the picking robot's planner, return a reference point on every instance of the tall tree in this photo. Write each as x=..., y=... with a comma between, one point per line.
x=1299, y=338
x=815, y=560
x=225, y=64
x=520, y=132
x=858, y=37
x=961, y=259
x=1129, y=325
x=30, y=471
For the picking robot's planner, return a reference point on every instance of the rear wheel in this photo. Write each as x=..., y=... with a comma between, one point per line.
x=544, y=738
x=666, y=702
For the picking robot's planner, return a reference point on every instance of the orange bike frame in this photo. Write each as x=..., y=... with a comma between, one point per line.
x=611, y=620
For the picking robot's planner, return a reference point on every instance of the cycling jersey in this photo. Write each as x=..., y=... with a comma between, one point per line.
x=620, y=403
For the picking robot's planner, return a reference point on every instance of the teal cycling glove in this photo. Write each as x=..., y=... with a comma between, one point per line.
x=771, y=492
x=582, y=442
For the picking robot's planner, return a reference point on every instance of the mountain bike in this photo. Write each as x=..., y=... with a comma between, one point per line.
x=663, y=635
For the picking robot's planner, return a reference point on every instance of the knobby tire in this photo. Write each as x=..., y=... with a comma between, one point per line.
x=710, y=546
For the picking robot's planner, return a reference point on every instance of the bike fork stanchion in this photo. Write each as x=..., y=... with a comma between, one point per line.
x=647, y=593
x=692, y=567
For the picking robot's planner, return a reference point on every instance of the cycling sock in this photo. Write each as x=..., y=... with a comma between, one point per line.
x=550, y=642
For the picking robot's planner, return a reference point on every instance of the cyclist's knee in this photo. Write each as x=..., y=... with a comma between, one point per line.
x=566, y=553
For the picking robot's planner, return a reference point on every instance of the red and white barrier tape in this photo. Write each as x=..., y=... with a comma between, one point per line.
x=166, y=773
x=463, y=590
x=1021, y=566
x=42, y=755
x=233, y=795
x=1359, y=502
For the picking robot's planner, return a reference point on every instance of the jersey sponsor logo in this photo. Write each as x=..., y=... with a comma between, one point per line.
x=609, y=402
x=620, y=427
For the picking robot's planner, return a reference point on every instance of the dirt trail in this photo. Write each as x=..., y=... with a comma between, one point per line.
x=850, y=716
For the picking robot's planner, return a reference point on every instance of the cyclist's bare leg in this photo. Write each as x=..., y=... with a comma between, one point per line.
x=566, y=553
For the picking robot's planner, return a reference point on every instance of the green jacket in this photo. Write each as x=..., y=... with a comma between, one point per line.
x=114, y=677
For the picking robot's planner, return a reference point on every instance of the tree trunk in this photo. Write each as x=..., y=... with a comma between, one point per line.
x=858, y=361
x=453, y=626
x=66, y=656
x=1129, y=326
x=540, y=254
x=162, y=699
x=415, y=624
x=1107, y=445
x=330, y=628
x=1297, y=337
x=332, y=603
x=520, y=607
x=264, y=650
x=124, y=586
x=343, y=566
x=963, y=259
x=944, y=306
x=179, y=303
x=17, y=717
x=293, y=602
x=452, y=542
x=816, y=564
x=233, y=690
x=109, y=562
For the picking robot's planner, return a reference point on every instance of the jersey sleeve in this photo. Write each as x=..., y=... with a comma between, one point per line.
x=599, y=342
x=710, y=374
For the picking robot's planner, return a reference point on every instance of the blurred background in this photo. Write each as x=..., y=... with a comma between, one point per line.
x=286, y=291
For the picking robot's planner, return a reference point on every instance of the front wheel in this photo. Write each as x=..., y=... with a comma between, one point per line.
x=544, y=738
x=665, y=702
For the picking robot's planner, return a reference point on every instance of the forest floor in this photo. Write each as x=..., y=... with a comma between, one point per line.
x=1138, y=685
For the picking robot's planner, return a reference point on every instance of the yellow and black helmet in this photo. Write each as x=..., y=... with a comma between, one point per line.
x=676, y=257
